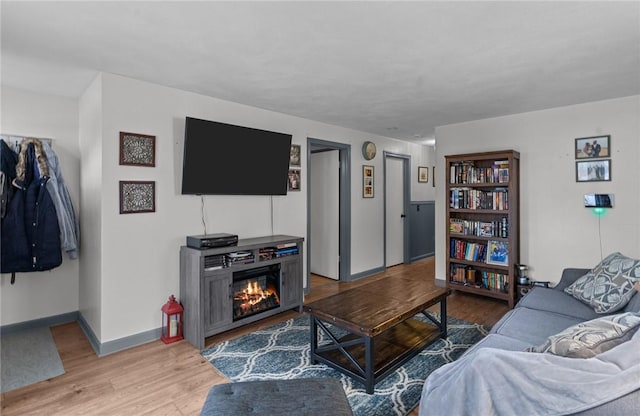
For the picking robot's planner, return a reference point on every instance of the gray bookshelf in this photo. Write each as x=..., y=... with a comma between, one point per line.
x=206, y=287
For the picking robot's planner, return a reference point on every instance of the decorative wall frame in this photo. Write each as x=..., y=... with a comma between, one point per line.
x=433, y=177
x=294, y=155
x=137, y=197
x=593, y=170
x=137, y=149
x=423, y=174
x=293, y=180
x=593, y=147
x=367, y=181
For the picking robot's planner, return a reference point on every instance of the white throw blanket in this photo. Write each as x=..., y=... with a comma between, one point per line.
x=491, y=381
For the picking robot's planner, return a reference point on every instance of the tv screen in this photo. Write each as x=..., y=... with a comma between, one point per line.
x=223, y=159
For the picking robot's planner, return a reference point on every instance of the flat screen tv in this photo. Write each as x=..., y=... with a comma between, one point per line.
x=223, y=159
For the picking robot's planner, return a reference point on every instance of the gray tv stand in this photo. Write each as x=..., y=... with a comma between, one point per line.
x=207, y=288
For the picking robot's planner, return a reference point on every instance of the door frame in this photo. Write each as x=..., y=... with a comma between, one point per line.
x=406, y=184
x=344, y=210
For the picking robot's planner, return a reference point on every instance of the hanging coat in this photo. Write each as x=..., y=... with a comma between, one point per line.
x=67, y=220
x=8, y=161
x=30, y=231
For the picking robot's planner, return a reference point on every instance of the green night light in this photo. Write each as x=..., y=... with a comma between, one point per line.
x=599, y=211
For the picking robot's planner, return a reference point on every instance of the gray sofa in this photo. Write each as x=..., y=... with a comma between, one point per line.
x=500, y=359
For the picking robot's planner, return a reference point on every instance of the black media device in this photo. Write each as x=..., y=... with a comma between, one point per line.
x=598, y=200
x=212, y=240
x=223, y=159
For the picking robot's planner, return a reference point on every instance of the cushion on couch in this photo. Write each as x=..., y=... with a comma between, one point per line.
x=609, y=286
x=532, y=326
x=634, y=303
x=590, y=338
x=552, y=300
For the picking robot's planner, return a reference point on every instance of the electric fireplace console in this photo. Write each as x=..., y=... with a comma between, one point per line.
x=227, y=287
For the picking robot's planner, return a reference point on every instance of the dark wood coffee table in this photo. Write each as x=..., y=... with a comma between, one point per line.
x=371, y=329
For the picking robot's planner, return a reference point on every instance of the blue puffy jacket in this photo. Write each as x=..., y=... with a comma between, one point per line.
x=30, y=232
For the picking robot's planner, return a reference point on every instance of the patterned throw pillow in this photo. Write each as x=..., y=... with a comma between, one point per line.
x=587, y=339
x=608, y=286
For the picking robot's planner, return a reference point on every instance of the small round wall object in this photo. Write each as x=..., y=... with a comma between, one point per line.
x=369, y=150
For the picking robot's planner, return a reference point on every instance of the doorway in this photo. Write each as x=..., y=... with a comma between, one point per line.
x=328, y=210
x=396, y=208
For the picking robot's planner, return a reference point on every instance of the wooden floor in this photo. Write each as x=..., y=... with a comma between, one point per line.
x=159, y=379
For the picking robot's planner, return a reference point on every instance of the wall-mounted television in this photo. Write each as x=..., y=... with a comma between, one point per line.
x=224, y=159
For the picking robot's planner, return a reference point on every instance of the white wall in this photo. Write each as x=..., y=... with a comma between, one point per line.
x=139, y=253
x=556, y=231
x=420, y=191
x=90, y=141
x=54, y=292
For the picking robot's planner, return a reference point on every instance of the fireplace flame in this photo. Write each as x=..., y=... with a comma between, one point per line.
x=254, y=294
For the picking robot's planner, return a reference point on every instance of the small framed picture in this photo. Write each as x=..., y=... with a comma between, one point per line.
x=137, y=197
x=294, y=155
x=593, y=170
x=137, y=149
x=593, y=147
x=367, y=181
x=293, y=180
x=433, y=177
x=498, y=253
x=423, y=174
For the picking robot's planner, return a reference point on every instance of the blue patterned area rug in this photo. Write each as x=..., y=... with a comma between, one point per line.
x=282, y=352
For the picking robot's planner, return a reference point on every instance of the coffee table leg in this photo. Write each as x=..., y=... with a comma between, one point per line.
x=369, y=370
x=443, y=317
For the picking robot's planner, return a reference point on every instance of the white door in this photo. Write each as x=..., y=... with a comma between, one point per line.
x=324, y=213
x=394, y=206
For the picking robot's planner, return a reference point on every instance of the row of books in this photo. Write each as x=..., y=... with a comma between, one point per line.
x=280, y=250
x=462, y=274
x=468, y=173
x=465, y=250
x=465, y=198
x=498, y=228
x=466, y=275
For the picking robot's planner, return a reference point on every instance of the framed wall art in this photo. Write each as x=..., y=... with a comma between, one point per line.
x=367, y=181
x=293, y=180
x=294, y=155
x=593, y=147
x=498, y=253
x=137, y=149
x=593, y=170
x=137, y=197
x=423, y=174
x=433, y=177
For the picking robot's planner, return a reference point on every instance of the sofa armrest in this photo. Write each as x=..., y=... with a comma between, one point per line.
x=569, y=276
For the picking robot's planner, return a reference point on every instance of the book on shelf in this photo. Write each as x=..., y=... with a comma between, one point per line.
x=465, y=198
x=494, y=281
x=497, y=228
x=498, y=253
x=465, y=250
x=286, y=245
x=468, y=173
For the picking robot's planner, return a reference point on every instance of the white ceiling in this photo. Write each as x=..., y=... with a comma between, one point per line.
x=397, y=69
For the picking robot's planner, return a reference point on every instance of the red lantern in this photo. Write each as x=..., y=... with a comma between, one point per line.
x=172, y=316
